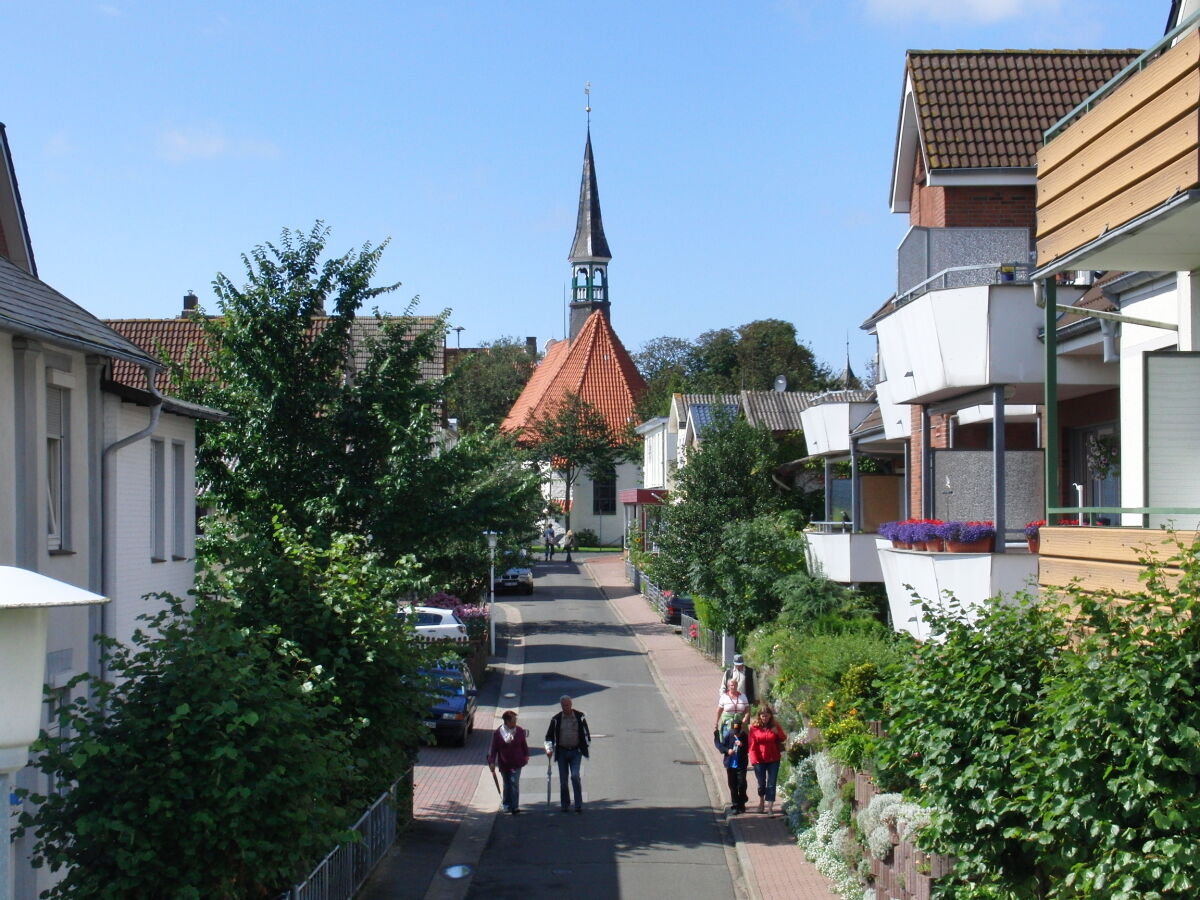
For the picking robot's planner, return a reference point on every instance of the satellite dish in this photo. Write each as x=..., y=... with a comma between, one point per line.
x=780, y=383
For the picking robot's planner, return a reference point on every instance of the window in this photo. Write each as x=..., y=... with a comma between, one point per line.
x=58, y=482
x=178, y=502
x=158, y=500
x=604, y=493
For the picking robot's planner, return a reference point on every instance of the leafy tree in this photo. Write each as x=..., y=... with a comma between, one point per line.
x=665, y=363
x=726, y=479
x=202, y=772
x=755, y=568
x=768, y=348
x=336, y=449
x=485, y=384
x=576, y=438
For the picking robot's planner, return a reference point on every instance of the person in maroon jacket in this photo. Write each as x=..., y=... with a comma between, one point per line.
x=509, y=751
x=767, y=740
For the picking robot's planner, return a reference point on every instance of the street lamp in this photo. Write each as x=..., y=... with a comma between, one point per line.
x=491, y=539
x=25, y=600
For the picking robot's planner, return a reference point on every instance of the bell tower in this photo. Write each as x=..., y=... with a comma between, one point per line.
x=590, y=255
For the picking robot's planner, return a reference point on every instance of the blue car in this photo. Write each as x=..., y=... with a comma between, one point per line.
x=452, y=716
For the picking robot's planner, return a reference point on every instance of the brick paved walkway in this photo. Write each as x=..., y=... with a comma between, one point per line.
x=774, y=866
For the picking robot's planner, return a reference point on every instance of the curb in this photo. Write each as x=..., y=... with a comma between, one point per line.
x=737, y=858
x=476, y=827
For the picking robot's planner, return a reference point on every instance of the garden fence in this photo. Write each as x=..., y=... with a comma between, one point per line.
x=709, y=643
x=340, y=874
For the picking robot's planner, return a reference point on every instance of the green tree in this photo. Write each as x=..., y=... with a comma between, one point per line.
x=334, y=448
x=202, y=772
x=767, y=348
x=485, y=384
x=760, y=562
x=577, y=438
x=727, y=479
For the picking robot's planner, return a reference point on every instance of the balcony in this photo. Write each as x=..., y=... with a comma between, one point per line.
x=948, y=343
x=913, y=576
x=1119, y=177
x=1103, y=558
x=828, y=422
x=844, y=557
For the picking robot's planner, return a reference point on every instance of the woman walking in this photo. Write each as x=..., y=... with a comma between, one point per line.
x=735, y=753
x=733, y=706
x=767, y=740
x=510, y=751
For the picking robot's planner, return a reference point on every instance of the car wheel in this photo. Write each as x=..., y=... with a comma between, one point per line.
x=528, y=591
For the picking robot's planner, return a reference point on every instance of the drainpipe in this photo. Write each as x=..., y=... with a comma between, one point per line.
x=1108, y=330
x=926, y=464
x=828, y=492
x=107, y=537
x=998, y=449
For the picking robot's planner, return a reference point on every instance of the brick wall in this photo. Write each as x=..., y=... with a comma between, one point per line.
x=982, y=206
x=939, y=436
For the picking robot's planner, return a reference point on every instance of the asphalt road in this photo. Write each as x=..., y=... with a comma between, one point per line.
x=648, y=828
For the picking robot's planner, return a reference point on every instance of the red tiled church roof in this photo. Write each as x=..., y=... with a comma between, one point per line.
x=595, y=366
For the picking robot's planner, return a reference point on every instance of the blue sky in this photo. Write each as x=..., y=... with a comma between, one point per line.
x=743, y=149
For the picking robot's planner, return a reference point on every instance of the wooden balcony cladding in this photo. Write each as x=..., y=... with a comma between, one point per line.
x=1103, y=558
x=1134, y=150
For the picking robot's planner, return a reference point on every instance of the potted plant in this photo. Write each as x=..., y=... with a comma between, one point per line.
x=969, y=537
x=887, y=530
x=1033, y=535
x=917, y=532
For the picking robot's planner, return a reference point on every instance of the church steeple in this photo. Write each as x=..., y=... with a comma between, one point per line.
x=590, y=255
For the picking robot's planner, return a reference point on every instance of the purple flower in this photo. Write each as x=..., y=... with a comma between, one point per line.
x=967, y=532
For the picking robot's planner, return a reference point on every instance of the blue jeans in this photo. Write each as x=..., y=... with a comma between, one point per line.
x=511, y=779
x=570, y=761
x=766, y=773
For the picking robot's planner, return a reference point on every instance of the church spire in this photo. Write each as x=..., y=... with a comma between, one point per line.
x=590, y=255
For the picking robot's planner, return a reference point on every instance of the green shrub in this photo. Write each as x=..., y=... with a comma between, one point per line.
x=585, y=537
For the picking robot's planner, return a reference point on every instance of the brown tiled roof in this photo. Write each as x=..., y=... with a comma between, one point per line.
x=595, y=366
x=177, y=338
x=989, y=108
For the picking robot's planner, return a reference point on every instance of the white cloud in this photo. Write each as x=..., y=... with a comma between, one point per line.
x=182, y=145
x=979, y=11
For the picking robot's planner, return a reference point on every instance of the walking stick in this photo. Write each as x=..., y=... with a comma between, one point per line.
x=548, y=757
x=496, y=782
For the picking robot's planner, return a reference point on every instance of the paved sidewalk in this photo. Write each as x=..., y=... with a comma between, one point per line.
x=773, y=865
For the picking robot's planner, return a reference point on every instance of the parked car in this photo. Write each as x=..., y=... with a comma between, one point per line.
x=432, y=623
x=676, y=606
x=452, y=715
x=518, y=579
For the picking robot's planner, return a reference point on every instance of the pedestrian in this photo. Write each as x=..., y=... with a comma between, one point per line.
x=569, y=543
x=733, y=707
x=767, y=740
x=548, y=539
x=735, y=753
x=567, y=739
x=509, y=751
x=741, y=676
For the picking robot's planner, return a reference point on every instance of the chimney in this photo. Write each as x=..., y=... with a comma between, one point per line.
x=190, y=301
x=531, y=346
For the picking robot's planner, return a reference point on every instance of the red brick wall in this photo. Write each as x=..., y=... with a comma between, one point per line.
x=973, y=207
x=939, y=438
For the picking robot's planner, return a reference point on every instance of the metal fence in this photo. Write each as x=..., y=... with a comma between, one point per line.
x=707, y=642
x=340, y=874
x=654, y=597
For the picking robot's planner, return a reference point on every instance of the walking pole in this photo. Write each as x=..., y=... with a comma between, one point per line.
x=548, y=758
x=496, y=781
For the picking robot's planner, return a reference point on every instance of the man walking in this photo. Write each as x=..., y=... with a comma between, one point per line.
x=740, y=677
x=567, y=739
x=549, y=539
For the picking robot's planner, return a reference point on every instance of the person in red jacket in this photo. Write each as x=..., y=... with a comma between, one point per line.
x=510, y=751
x=767, y=740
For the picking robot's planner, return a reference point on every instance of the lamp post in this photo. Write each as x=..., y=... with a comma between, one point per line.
x=25, y=600
x=491, y=541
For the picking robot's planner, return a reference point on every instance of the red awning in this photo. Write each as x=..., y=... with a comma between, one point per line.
x=643, y=496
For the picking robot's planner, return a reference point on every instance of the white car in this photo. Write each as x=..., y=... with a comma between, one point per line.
x=433, y=623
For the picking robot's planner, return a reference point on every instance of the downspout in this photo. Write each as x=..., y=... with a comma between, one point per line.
x=1108, y=330
x=855, y=489
x=107, y=538
x=1049, y=289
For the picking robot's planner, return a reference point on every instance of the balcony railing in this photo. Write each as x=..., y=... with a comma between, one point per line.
x=955, y=276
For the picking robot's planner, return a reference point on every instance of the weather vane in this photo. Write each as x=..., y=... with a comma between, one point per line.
x=587, y=92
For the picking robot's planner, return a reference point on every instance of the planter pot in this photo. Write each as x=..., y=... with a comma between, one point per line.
x=1035, y=544
x=937, y=545
x=901, y=545
x=984, y=545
